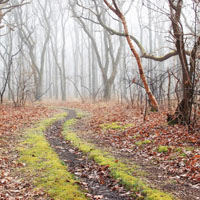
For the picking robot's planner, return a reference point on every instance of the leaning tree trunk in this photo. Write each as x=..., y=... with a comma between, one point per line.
x=152, y=99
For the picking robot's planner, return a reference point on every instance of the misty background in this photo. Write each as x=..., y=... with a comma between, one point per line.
x=65, y=50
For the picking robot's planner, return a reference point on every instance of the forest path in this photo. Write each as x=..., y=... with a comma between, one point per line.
x=93, y=178
x=97, y=172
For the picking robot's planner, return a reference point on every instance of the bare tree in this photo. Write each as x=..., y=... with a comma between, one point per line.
x=6, y=6
x=54, y=42
x=26, y=34
x=182, y=114
x=109, y=54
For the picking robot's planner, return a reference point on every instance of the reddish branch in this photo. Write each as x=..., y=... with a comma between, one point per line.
x=116, y=10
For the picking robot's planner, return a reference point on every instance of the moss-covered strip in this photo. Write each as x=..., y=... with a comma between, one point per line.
x=42, y=163
x=118, y=169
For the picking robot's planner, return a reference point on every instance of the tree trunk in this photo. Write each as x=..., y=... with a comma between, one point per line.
x=183, y=111
x=38, y=91
x=169, y=91
x=107, y=90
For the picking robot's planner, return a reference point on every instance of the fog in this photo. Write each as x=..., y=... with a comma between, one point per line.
x=66, y=50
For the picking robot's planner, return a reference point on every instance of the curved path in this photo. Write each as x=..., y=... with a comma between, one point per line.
x=93, y=178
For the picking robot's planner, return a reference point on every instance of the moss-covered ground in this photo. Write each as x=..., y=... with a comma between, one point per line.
x=163, y=149
x=118, y=169
x=43, y=164
x=115, y=126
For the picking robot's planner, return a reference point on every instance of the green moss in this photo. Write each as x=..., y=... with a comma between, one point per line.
x=118, y=169
x=41, y=126
x=80, y=114
x=183, y=155
x=115, y=126
x=129, y=125
x=49, y=172
x=69, y=123
x=156, y=194
x=140, y=143
x=178, y=149
x=136, y=136
x=163, y=149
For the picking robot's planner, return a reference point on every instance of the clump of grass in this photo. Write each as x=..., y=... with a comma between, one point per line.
x=140, y=142
x=80, y=115
x=49, y=172
x=179, y=150
x=115, y=126
x=163, y=149
x=183, y=155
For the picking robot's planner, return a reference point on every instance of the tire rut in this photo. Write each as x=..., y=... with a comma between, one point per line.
x=94, y=179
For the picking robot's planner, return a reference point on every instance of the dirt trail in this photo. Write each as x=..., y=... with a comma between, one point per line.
x=93, y=178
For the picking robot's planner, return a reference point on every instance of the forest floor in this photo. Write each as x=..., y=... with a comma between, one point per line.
x=168, y=157
x=12, y=121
